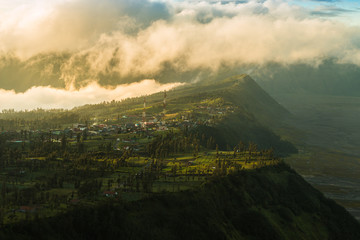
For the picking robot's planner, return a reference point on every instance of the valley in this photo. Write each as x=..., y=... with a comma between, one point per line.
x=328, y=137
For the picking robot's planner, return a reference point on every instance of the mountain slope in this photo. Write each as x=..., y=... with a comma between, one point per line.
x=251, y=121
x=240, y=90
x=230, y=110
x=268, y=203
x=252, y=116
x=243, y=91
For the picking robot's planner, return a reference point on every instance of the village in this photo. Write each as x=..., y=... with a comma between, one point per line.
x=126, y=128
x=123, y=157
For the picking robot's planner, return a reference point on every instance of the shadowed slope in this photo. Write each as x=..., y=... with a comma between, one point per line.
x=272, y=203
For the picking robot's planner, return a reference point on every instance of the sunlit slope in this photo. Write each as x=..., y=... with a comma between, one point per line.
x=239, y=110
x=243, y=91
x=239, y=90
x=253, y=118
x=229, y=110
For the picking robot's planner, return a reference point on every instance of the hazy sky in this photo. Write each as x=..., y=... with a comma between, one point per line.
x=131, y=38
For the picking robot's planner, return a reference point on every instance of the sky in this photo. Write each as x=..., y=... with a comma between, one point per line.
x=141, y=39
x=346, y=9
x=342, y=10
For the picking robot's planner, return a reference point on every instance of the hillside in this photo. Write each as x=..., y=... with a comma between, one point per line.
x=198, y=166
x=230, y=110
x=267, y=203
x=239, y=90
x=48, y=159
x=244, y=92
x=254, y=113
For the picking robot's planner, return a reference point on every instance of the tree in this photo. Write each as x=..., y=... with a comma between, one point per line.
x=3, y=194
x=89, y=188
x=85, y=135
x=63, y=143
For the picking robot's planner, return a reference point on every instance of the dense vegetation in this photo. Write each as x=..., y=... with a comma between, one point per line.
x=98, y=162
x=267, y=203
x=42, y=176
x=51, y=160
x=232, y=110
x=200, y=165
x=237, y=128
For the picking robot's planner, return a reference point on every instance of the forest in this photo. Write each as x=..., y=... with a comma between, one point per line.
x=52, y=161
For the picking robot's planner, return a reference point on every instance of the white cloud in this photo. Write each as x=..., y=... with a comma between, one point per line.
x=49, y=98
x=139, y=39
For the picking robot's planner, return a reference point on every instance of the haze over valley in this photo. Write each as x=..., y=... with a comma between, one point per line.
x=150, y=116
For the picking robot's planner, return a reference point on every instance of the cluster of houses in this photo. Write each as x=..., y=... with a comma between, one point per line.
x=202, y=114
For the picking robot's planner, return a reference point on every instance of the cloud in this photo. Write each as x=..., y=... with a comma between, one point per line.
x=199, y=37
x=72, y=25
x=331, y=11
x=49, y=98
x=118, y=41
x=331, y=1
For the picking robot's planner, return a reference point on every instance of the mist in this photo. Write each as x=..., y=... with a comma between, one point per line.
x=51, y=98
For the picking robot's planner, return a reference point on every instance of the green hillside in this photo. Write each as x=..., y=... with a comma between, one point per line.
x=252, y=121
x=267, y=203
x=229, y=110
x=244, y=92
x=242, y=111
x=199, y=166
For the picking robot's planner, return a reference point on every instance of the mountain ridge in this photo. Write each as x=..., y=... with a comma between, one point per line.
x=231, y=110
x=253, y=116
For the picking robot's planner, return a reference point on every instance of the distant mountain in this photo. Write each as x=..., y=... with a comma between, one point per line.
x=271, y=203
x=329, y=78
